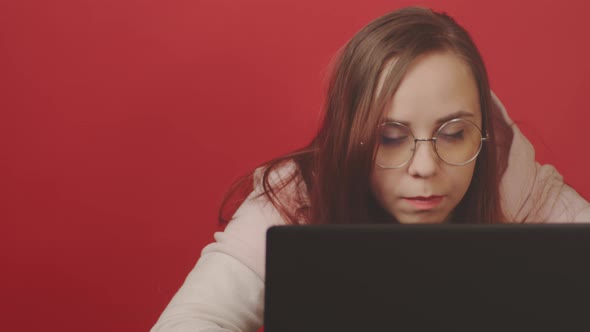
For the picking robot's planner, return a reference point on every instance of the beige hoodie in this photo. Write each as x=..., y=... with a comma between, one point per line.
x=225, y=290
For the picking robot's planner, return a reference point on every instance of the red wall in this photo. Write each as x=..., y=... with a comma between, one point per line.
x=123, y=123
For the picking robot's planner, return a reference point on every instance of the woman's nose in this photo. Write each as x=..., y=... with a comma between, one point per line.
x=425, y=161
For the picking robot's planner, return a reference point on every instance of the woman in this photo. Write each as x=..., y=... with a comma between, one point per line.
x=411, y=134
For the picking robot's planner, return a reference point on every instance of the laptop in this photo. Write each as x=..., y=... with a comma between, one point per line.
x=461, y=278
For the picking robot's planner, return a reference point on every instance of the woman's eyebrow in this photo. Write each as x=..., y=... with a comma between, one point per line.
x=454, y=115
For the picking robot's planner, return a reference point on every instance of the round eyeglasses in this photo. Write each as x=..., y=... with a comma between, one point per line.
x=456, y=142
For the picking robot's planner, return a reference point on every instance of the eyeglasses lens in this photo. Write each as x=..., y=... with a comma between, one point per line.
x=457, y=142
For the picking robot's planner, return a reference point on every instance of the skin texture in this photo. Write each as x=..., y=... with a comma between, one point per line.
x=437, y=86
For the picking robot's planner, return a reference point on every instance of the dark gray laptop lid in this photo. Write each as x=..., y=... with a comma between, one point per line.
x=428, y=277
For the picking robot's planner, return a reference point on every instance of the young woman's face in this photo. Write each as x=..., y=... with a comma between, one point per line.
x=437, y=87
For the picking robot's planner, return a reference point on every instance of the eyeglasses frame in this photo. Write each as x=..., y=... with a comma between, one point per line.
x=433, y=139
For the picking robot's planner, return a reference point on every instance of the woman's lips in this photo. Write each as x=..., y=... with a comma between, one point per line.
x=424, y=203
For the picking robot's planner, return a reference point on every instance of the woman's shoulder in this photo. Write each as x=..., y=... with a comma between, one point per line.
x=277, y=175
x=282, y=185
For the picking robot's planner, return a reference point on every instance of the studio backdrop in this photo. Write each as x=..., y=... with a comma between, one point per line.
x=123, y=123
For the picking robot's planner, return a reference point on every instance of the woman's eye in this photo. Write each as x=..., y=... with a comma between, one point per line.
x=451, y=136
x=397, y=140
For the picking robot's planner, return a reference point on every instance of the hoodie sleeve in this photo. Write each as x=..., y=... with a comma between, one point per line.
x=225, y=290
x=532, y=192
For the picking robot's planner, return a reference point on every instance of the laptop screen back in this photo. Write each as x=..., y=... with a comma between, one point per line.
x=428, y=278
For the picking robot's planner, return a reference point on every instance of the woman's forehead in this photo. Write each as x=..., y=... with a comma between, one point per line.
x=436, y=87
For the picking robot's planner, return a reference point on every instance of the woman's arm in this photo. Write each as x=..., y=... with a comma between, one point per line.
x=225, y=290
x=221, y=294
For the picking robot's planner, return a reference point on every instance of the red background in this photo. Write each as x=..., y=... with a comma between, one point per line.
x=123, y=123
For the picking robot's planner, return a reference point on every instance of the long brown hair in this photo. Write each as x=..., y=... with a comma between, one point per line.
x=330, y=180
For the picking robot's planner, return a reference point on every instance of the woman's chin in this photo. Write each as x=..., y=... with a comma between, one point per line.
x=422, y=218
